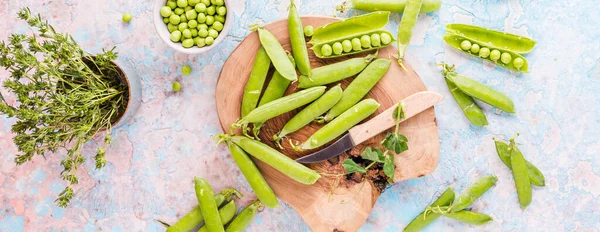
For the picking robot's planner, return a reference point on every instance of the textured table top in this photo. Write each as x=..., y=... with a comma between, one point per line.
x=155, y=156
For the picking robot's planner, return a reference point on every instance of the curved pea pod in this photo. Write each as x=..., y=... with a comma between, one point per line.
x=277, y=160
x=491, y=38
x=244, y=218
x=472, y=193
x=520, y=175
x=207, y=205
x=334, y=72
x=388, y=5
x=359, y=87
x=348, y=29
x=256, y=81
x=483, y=92
x=277, y=54
x=422, y=220
x=409, y=19
x=341, y=124
x=282, y=105
x=311, y=112
x=297, y=40
x=455, y=40
x=194, y=217
x=276, y=87
x=467, y=105
x=253, y=176
x=469, y=217
x=535, y=175
x=226, y=213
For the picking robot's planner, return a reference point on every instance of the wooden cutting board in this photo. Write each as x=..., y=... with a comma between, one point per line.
x=334, y=203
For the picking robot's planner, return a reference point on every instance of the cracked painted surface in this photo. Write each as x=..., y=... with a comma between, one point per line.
x=154, y=157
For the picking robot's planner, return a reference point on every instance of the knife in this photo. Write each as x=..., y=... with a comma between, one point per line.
x=413, y=105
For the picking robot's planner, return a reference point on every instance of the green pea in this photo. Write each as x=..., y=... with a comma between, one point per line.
x=475, y=48
x=192, y=24
x=203, y=26
x=495, y=55
x=187, y=8
x=365, y=41
x=183, y=18
x=213, y=33
x=186, y=70
x=171, y=27
x=465, y=45
x=210, y=20
x=506, y=58
x=203, y=32
x=356, y=45
x=186, y=33
x=193, y=2
x=179, y=11
x=337, y=48
x=127, y=17
x=210, y=10
x=205, y=2
x=200, y=8
x=172, y=4
x=199, y=42
x=209, y=40
x=220, y=18
x=218, y=26
x=182, y=26
x=222, y=11
x=326, y=50
x=347, y=45
x=188, y=43
x=165, y=11
x=175, y=36
x=166, y=20
x=191, y=14
x=385, y=38
x=201, y=18
x=182, y=3
x=219, y=2
x=375, y=40
x=484, y=52
x=176, y=86
x=309, y=30
x=518, y=62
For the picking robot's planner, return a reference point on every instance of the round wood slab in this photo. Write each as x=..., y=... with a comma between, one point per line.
x=334, y=202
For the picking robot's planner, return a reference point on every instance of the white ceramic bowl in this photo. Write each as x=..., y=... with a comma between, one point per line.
x=164, y=34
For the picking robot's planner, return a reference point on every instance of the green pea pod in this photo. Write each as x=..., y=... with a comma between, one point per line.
x=469, y=217
x=276, y=160
x=480, y=91
x=226, y=213
x=467, y=105
x=355, y=27
x=388, y=5
x=455, y=41
x=473, y=193
x=409, y=19
x=282, y=105
x=311, y=112
x=359, y=87
x=276, y=87
x=491, y=38
x=422, y=220
x=194, y=217
x=256, y=81
x=297, y=40
x=277, y=54
x=334, y=72
x=520, y=175
x=341, y=124
x=535, y=175
x=253, y=176
x=207, y=205
x=244, y=218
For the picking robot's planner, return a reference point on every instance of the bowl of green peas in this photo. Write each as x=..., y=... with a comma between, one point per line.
x=191, y=26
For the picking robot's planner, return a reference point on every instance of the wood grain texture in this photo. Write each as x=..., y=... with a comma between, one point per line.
x=333, y=203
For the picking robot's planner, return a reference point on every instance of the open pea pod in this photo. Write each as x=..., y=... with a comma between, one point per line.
x=455, y=41
x=348, y=29
x=491, y=38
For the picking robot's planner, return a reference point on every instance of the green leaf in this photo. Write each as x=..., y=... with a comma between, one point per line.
x=389, y=166
x=399, y=112
x=373, y=154
x=395, y=142
x=352, y=167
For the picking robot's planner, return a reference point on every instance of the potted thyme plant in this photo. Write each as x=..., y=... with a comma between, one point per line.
x=64, y=97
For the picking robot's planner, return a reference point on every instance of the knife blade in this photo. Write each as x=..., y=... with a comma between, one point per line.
x=413, y=105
